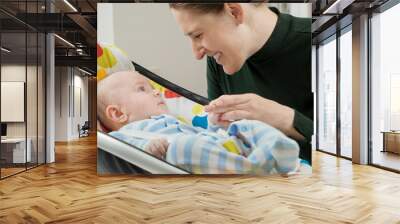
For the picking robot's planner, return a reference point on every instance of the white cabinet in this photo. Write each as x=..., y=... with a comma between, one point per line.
x=17, y=147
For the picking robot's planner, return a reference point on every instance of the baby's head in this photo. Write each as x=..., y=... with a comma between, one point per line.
x=127, y=96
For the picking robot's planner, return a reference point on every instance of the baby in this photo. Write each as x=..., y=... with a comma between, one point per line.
x=127, y=102
x=125, y=97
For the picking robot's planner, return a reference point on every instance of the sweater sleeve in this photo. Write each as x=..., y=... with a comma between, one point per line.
x=303, y=125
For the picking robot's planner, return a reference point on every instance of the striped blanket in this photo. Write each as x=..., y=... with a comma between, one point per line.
x=246, y=147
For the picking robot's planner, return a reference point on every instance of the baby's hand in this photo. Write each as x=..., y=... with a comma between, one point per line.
x=215, y=119
x=157, y=147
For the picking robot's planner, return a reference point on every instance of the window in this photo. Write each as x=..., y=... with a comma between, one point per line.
x=327, y=96
x=385, y=87
x=22, y=68
x=346, y=93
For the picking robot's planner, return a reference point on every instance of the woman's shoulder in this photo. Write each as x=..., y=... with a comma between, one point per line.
x=296, y=24
x=301, y=24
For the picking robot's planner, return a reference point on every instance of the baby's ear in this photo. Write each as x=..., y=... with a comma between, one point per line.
x=114, y=114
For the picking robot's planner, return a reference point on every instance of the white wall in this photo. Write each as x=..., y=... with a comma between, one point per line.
x=105, y=32
x=150, y=36
x=15, y=72
x=67, y=120
x=80, y=83
x=61, y=103
x=295, y=9
x=33, y=126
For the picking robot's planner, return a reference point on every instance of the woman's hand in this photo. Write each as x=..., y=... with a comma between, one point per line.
x=228, y=108
x=157, y=147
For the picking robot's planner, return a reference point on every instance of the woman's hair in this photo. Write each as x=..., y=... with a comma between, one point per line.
x=204, y=8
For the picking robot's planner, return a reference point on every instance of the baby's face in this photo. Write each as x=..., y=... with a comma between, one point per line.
x=138, y=98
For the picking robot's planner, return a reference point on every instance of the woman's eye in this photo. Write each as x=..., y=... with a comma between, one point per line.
x=141, y=88
x=197, y=36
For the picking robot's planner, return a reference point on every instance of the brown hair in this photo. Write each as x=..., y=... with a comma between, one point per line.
x=204, y=8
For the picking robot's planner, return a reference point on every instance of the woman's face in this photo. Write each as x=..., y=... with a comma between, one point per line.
x=215, y=35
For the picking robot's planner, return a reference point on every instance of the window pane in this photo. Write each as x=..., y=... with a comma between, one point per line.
x=41, y=98
x=31, y=97
x=345, y=94
x=385, y=88
x=327, y=97
x=14, y=153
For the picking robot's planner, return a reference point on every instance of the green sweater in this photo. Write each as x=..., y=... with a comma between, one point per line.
x=279, y=71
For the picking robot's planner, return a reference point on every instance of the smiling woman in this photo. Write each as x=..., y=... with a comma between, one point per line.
x=251, y=48
x=207, y=25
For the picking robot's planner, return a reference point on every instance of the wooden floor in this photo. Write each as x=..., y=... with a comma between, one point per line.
x=10, y=171
x=387, y=159
x=5, y=172
x=70, y=191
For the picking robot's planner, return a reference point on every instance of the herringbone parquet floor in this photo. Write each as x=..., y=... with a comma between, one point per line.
x=70, y=191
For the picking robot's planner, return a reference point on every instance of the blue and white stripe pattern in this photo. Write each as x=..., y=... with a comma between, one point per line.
x=264, y=149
